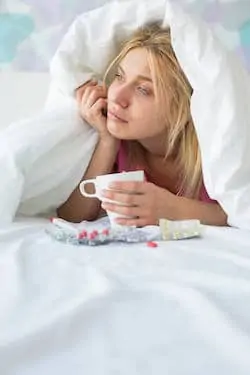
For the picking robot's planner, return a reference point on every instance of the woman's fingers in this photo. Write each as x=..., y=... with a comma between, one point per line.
x=123, y=197
x=93, y=107
x=81, y=90
x=135, y=222
x=93, y=94
x=97, y=108
x=93, y=87
x=93, y=102
x=136, y=187
x=130, y=216
x=122, y=210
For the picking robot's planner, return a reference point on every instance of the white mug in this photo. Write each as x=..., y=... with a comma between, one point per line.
x=102, y=182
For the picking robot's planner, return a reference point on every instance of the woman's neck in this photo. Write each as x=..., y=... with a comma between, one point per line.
x=163, y=172
x=155, y=147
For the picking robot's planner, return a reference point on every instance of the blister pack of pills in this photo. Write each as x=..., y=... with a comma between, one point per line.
x=180, y=229
x=99, y=232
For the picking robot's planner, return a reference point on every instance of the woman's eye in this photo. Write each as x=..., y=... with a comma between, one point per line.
x=143, y=90
x=118, y=76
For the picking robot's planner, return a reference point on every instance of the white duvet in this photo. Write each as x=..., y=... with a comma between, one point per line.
x=43, y=159
x=179, y=309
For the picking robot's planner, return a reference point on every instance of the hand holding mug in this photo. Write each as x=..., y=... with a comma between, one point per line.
x=102, y=183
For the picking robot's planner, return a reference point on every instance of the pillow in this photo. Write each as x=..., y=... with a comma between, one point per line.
x=219, y=105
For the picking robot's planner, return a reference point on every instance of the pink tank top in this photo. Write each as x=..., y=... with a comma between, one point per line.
x=121, y=166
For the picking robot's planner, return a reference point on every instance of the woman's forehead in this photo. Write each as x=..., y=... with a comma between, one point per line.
x=136, y=62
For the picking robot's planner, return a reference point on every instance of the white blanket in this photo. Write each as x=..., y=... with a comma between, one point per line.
x=43, y=159
x=219, y=105
x=180, y=309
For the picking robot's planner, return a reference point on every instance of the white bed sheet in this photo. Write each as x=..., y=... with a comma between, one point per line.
x=181, y=308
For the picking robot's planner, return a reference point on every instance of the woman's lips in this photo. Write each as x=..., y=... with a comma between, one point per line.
x=114, y=116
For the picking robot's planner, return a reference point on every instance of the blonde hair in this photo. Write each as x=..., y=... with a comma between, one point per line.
x=173, y=89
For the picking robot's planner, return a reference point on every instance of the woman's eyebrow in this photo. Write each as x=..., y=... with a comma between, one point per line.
x=119, y=67
x=139, y=77
x=144, y=78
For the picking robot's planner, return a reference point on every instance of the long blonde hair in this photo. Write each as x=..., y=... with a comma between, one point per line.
x=172, y=89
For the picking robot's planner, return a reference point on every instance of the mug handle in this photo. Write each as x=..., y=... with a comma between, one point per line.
x=82, y=188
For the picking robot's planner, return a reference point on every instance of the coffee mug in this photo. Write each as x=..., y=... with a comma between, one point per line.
x=102, y=182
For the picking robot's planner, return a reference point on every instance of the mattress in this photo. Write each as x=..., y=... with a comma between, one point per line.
x=179, y=308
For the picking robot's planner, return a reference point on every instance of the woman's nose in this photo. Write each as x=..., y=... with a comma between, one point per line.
x=120, y=96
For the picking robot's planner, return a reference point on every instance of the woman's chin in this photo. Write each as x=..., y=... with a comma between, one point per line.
x=119, y=131
x=115, y=129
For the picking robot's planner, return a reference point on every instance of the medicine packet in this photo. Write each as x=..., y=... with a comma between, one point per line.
x=99, y=232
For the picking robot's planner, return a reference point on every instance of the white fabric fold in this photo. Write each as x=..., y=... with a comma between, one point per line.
x=42, y=160
x=219, y=105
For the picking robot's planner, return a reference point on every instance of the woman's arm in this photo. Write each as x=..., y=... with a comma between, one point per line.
x=92, y=101
x=146, y=203
x=78, y=208
x=207, y=213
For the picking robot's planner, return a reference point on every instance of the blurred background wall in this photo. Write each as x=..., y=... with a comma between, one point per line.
x=30, y=30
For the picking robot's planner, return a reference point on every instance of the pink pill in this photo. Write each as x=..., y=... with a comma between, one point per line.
x=105, y=232
x=93, y=235
x=83, y=234
x=152, y=244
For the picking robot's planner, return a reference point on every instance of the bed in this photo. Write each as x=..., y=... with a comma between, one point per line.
x=179, y=308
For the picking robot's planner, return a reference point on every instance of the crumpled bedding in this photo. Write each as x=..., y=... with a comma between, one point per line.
x=180, y=308
x=42, y=160
x=219, y=105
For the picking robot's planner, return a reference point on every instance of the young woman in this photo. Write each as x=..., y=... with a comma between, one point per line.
x=148, y=126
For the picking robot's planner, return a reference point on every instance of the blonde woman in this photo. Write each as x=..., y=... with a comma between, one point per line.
x=148, y=126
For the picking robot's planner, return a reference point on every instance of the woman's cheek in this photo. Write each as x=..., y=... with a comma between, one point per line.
x=113, y=128
x=111, y=92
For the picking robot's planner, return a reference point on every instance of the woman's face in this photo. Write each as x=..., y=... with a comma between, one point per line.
x=132, y=108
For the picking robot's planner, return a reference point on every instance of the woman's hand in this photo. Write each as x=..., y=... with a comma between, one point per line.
x=92, y=101
x=143, y=202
